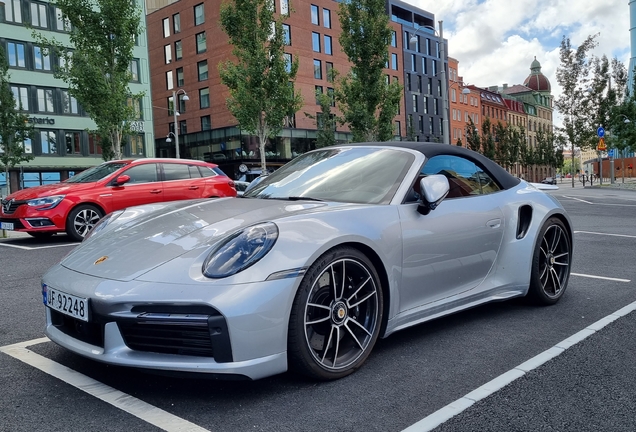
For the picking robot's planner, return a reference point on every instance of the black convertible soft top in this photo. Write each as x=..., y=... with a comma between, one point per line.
x=500, y=175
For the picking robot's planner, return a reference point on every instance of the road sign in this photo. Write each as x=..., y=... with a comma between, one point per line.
x=610, y=153
x=601, y=144
x=600, y=132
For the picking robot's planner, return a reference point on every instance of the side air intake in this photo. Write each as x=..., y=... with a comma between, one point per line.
x=524, y=220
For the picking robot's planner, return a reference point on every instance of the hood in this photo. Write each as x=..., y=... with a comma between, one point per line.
x=49, y=190
x=150, y=236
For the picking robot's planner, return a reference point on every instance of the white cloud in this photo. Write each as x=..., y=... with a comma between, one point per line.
x=496, y=40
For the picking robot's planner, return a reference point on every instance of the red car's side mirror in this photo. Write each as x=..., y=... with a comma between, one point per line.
x=121, y=180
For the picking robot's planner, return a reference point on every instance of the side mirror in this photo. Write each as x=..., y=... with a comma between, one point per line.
x=121, y=180
x=434, y=189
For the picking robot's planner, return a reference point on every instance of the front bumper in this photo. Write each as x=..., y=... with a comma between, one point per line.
x=200, y=327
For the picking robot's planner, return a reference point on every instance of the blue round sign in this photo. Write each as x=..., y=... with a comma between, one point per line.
x=600, y=132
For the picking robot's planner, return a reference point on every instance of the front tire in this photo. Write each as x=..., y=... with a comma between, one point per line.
x=336, y=315
x=81, y=220
x=551, y=263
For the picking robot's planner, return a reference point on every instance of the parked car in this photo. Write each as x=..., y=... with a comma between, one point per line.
x=337, y=248
x=549, y=180
x=74, y=206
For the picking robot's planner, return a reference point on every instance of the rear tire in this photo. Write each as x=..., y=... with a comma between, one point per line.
x=551, y=263
x=336, y=315
x=81, y=220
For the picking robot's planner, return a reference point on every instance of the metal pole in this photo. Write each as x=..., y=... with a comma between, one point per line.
x=600, y=168
x=612, y=178
x=445, y=132
x=176, y=126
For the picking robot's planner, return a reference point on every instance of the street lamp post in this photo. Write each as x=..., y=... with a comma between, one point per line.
x=440, y=36
x=175, y=113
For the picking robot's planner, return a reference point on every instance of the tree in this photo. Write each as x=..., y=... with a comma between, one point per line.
x=325, y=121
x=573, y=103
x=516, y=138
x=502, y=144
x=487, y=139
x=14, y=128
x=261, y=87
x=97, y=70
x=473, y=140
x=459, y=142
x=410, y=130
x=367, y=100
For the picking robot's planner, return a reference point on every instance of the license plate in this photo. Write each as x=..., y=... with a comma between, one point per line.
x=6, y=225
x=67, y=304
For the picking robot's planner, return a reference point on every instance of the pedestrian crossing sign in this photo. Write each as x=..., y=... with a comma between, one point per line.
x=601, y=145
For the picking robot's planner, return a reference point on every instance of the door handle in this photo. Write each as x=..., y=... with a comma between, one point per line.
x=155, y=191
x=193, y=187
x=494, y=223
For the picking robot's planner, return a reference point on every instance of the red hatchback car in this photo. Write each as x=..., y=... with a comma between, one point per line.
x=75, y=205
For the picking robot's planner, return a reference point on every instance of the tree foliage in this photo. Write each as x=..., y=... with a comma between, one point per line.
x=96, y=66
x=14, y=129
x=367, y=101
x=260, y=81
x=487, y=139
x=473, y=139
x=326, y=121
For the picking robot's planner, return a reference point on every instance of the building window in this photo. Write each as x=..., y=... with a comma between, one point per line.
x=318, y=90
x=69, y=103
x=38, y=15
x=315, y=41
x=206, y=124
x=431, y=129
x=176, y=23
x=201, y=43
x=421, y=124
x=183, y=127
x=62, y=23
x=134, y=70
x=288, y=62
x=16, y=55
x=45, y=100
x=286, y=34
x=328, y=47
x=317, y=69
x=135, y=104
x=178, y=50
x=428, y=46
x=314, y=15
x=394, y=61
x=180, y=80
x=436, y=106
x=202, y=66
x=166, y=27
x=429, y=88
x=182, y=106
x=414, y=102
x=454, y=95
x=136, y=145
x=21, y=97
x=398, y=128
x=94, y=147
x=204, y=98
x=413, y=63
x=393, y=38
x=425, y=105
x=170, y=101
x=424, y=68
x=199, y=14
x=434, y=66
x=73, y=143
x=167, y=51
x=48, y=142
x=419, y=83
x=326, y=18
x=12, y=11
x=41, y=61
x=329, y=71
x=169, y=80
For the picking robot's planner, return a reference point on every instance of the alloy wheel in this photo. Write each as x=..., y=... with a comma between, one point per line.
x=341, y=314
x=85, y=220
x=554, y=261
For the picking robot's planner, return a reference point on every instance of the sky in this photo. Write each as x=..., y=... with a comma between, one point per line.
x=496, y=40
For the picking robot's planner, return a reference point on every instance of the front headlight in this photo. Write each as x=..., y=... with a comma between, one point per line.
x=241, y=250
x=46, y=202
x=103, y=223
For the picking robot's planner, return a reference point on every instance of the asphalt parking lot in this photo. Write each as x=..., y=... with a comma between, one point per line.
x=431, y=375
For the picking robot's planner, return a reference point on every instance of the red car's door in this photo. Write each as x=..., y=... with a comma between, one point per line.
x=182, y=181
x=143, y=187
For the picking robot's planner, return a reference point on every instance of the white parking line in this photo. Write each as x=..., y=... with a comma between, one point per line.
x=605, y=234
x=146, y=412
x=577, y=199
x=431, y=421
x=600, y=277
x=36, y=247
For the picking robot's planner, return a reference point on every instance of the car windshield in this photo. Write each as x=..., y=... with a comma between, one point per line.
x=96, y=173
x=365, y=175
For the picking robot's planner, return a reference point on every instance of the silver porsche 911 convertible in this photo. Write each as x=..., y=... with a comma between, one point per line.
x=340, y=246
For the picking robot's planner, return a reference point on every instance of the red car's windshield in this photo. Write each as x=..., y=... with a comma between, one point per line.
x=96, y=173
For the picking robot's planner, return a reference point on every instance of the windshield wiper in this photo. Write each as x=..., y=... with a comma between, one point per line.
x=301, y=198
